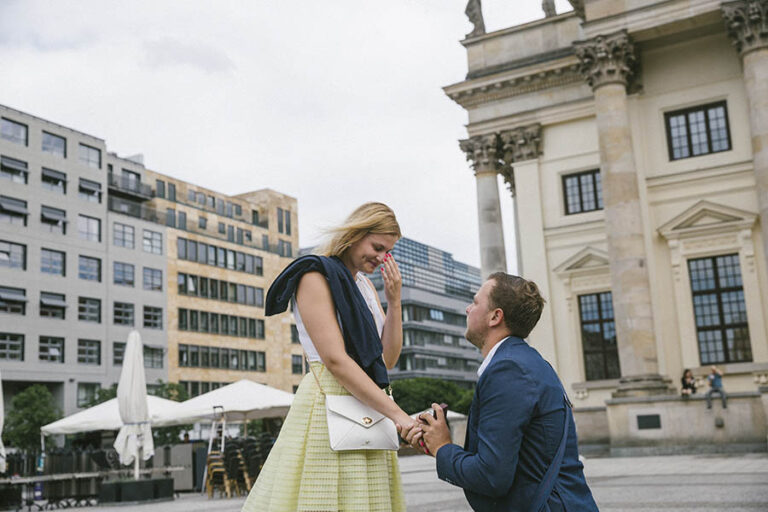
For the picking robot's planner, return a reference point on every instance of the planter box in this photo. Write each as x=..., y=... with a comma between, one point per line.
x=136, y=490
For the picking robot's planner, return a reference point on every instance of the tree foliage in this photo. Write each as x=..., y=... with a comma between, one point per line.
x=178, y=393
x=414, y=395
x=30, y=410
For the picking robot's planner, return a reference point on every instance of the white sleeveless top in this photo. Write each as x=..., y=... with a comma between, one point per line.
x=369, y=294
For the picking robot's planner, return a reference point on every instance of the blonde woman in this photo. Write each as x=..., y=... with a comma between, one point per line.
x=350, y=344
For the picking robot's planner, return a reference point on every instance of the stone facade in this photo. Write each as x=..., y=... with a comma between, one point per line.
x=626, y=194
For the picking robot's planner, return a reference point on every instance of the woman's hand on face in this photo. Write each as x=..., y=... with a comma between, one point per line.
x=393, y=282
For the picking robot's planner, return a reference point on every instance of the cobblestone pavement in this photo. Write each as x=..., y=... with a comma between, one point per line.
x=705, y=483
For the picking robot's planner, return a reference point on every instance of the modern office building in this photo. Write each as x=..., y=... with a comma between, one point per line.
x=436, y=291
x=634, y=139
x=89, y=250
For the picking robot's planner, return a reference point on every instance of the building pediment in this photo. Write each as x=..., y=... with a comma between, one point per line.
x=706, y=218
x=588, y=259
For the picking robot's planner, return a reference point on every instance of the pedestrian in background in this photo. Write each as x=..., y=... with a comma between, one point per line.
x=715, y=379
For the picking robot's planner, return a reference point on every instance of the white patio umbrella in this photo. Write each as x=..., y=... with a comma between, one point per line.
x=135, y=436
x=2, y=421
x=106, y=416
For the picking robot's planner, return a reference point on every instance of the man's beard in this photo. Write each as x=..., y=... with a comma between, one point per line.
x=476, y=338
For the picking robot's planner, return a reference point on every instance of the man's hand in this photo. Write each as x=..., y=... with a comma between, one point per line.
x=410, y=434
x=435, y=432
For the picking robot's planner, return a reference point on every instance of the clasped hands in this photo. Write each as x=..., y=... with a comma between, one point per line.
x=429, y=433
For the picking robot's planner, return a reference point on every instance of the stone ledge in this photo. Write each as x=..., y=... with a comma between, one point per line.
x=598, y=408
x=678, y=398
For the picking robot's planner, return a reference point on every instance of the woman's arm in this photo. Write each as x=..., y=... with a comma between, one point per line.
x=392, y=333
x=315, y=303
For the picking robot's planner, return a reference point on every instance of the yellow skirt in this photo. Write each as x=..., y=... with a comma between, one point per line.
x=303, y=474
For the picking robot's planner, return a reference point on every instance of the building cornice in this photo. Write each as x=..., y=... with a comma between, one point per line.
x=651, y=17
x=471, y=93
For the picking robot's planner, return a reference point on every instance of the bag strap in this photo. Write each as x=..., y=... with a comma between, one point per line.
x=306, y=358
x=548, y=482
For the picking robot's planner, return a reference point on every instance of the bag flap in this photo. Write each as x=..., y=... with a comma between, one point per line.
x=353, y=409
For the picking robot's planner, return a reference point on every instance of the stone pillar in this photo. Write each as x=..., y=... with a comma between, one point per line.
x=518, y=145
x=747, y=25
x=482, y=151
x=608, y=63
x=521, y=148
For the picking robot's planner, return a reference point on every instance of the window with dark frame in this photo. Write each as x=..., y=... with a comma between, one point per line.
x=89, y=268
x=87, y=393
x=698, y=130
x=90, y=156
x=89, y=190
x=51, y=349
x=52, y=262
x=14, y=170
x=89, y=228
x=13, y=255
x=53, y=220
x=11, y=346
x=89, y=352
x=53, y=305
x=118, y=353
x=123, y=274
x=123, y=235
x=55, y=181
x=13, y=300
x=13, y=211
x=123, y=313
x=14, y=131
x=160, y=189
x=583, y=192
x=598, y=336
x=153, y=317
x=54, y=145
x=153, y=357
x=719, y=309
x=297, y=366
x=89, y=309
x=153, y=242
x=153, y=279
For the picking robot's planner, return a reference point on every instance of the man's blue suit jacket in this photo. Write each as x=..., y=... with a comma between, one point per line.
x=514, y=429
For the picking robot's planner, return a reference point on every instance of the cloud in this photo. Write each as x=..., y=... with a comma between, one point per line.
x=166, y=52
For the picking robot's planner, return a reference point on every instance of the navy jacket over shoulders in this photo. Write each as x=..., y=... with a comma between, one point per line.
x=514, y=429
x=361, y=338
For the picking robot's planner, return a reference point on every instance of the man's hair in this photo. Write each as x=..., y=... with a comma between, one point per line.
x=520, y=301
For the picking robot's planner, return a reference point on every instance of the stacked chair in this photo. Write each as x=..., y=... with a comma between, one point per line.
x=234, y=472
x=216, y=478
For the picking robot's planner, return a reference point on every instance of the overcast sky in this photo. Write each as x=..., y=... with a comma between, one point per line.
x=334, y=102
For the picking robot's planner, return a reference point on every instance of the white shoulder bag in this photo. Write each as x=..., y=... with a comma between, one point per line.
x=352, y=425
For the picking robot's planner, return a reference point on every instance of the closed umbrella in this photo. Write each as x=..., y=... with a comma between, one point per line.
x=2, y=420
x=135, y=436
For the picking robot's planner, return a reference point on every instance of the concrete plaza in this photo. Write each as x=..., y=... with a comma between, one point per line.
x=706, y=483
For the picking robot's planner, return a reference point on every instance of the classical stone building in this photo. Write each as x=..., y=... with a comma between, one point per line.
x=633, y=137
x=90, y=249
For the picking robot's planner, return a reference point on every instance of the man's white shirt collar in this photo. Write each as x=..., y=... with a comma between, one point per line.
x=488, y=358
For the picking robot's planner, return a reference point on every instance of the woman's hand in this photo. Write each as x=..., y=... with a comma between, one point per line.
x=393, y=282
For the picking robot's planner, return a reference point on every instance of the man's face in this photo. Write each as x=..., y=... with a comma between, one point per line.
x=478, y=314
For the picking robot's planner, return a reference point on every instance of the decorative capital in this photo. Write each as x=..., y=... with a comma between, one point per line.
x=747, y=24
x=474, y=12
x=607, y=59
x=483, y=152
x=521, y=144
x=507, y=172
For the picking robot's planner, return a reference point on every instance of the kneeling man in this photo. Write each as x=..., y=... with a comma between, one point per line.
x=520, y=451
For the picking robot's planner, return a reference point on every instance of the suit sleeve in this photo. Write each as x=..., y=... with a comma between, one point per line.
x=505, y=405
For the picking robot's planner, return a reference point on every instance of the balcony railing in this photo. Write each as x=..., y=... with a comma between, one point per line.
x=128, y=186
x=139, y=211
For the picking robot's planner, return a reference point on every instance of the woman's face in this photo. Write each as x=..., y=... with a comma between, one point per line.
x=369, y=252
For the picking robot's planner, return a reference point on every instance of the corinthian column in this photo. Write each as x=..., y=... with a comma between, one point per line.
x=482, y=151
x=747, y=25
x=608, y=63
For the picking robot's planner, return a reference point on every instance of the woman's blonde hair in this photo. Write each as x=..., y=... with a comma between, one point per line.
x=369, y=218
